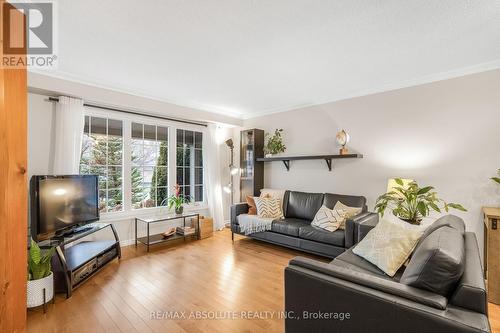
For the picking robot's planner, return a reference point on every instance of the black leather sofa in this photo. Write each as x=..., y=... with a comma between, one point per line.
x=295, y=231
x=440, y=290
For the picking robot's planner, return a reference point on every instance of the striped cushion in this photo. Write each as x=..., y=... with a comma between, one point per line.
x=268, y=207
x=329, y=219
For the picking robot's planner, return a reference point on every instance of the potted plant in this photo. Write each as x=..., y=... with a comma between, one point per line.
x=40, y=276
x=412, y=203
x=177, y=200
x=274, y=143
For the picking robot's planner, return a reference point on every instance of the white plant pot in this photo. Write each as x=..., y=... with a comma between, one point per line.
x=35, y=291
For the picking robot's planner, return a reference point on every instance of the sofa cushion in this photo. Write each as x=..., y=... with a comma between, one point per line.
x=438, y=263
x=350, y=200
x=288, y=226
x=303, y=205
x=319, y=235
x=451, y=221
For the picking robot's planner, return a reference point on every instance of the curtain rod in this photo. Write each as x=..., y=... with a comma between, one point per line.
x=55, y=99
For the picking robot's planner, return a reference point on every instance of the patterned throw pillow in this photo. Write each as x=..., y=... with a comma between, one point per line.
x=268, y=207
x=351, y=212
x=329, y=219
x=389, y=244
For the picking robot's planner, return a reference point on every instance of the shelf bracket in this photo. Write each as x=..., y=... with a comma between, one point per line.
x=287, y=164
x=329, y=163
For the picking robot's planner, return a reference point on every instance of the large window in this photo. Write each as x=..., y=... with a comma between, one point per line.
x=190, y=163
x=149, y=165
x=102, y=155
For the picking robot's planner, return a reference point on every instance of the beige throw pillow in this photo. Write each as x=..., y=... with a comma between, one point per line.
x=351, y=212
x=268, y=207
x=329, y=219
x=389, y=245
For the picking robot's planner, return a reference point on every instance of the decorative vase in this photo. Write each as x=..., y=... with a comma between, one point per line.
x=179, y=210
x=35, y=291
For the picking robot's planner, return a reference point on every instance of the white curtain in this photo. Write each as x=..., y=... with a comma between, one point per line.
x=212, y=159
x=69, y=122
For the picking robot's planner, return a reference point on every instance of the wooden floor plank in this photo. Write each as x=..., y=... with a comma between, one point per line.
x=213, y=274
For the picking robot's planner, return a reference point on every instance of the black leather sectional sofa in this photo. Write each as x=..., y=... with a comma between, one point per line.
x=441, y=290
x=295, y=230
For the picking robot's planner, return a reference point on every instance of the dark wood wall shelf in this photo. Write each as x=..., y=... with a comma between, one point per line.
x=327, y=158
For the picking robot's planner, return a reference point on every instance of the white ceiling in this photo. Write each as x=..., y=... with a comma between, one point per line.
x=246, y=58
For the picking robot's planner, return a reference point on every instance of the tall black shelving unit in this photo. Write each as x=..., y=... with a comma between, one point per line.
x=252, y=170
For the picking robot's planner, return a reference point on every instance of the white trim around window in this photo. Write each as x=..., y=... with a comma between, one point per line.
x=127, y=119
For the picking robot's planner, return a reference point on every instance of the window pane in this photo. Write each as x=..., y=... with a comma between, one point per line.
x=148, y=176
x=137, y=131
x=198, y=161
x=187, y=156
x=162, y=194
x=137, y=197
x=137, y=152
x=187, y=191
x=150, y=132
x=189, y=138
x=198, y=141
x=115, y=153
x=115, y=199
x=98, y=126
x=151, y=152
x=187, y=176
x=102, y=201
x=114, y=177
x=180, y=176
x=87, y=145
x=162, y=133
x=84, y=169
x=180, y=156
x=99, y=150
x=180, y=137
x=149, y=198
x=163, y=155
x=198, y=176
x=115, y=128
x=161, y=175
x=198, y=193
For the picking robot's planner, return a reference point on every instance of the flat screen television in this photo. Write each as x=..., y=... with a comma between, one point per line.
x=59, y=203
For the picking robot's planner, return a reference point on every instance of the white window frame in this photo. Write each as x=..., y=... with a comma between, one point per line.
x=127, y=120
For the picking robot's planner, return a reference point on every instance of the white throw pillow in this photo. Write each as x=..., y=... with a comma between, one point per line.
x=268, y=207
x=351, y=212
x=389, y=244
x=329, y=219
x=272, y=193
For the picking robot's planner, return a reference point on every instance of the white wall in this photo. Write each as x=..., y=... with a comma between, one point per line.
x=445, y=134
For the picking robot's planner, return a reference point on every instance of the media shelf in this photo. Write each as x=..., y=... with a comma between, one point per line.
x=74, y=264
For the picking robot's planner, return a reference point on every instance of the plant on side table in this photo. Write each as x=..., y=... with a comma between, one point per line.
x=40, y=277
x=412, y=203
x=177, y=200
x=274, y=143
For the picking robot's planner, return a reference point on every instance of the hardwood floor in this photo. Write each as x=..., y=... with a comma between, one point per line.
x=210, y=275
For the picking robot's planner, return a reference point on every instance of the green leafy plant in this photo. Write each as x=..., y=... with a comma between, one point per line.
x=39, y=261
x=496, y=179
x=176, y=200
x=274, y=143
x=411, y=203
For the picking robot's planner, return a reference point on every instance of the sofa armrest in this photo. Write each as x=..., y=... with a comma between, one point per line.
x=323, y=298
x=377, y=283
x=357, y=227
x=237, y=209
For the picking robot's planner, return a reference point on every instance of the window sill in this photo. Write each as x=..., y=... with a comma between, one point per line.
x=144, y=212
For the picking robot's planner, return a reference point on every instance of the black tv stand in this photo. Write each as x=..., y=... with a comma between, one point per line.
x=73, y=264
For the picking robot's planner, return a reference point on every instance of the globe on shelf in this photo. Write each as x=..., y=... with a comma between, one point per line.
x=342, y=139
